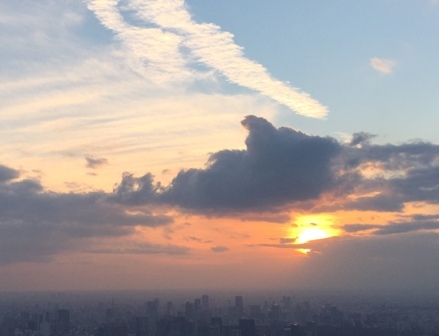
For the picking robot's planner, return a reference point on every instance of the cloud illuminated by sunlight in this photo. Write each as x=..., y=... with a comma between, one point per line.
x=385, y=66
x=156, y=52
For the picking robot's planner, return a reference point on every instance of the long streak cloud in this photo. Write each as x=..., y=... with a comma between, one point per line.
x=158, y=49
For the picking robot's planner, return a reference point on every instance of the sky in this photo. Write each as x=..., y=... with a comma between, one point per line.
x=171, y=144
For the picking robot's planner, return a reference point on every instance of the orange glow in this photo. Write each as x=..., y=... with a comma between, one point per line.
x=312, y=233
x=313, y=227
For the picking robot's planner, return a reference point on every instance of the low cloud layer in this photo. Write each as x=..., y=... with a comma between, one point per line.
x=385, y=263
x=36, y=224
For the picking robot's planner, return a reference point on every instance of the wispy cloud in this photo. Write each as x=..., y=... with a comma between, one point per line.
x=93, y=163
x=383, y=65
x=157, y=50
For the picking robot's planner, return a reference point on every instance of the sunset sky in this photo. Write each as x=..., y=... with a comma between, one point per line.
x=171, y=144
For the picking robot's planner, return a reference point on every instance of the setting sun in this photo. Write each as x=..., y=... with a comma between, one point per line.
x=313, y=227
x=312, y=233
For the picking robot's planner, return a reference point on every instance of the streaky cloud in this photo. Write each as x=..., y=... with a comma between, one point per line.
x=160, y=46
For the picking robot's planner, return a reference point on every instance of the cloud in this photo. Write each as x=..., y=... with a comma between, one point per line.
x=287, y=240
x=278, y=166
x=355, y=228
x=36, y=224
x=220, y=249
x=361, y=138
x=95, y=162
x=387, y=263
x=412, y=223
x=160, y=47
x=383, y=65
x=144, y=248
x=284, y=167
x=7, y=174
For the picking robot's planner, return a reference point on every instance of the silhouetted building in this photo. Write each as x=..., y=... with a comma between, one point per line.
x=205, y=302
x=247, y=327
x=62, y=324
x=112, y=329
x=239, y=305
x=152, y=308
x=141, y=326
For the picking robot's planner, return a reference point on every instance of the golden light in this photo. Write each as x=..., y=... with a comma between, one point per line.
x=312, y=233
x=313, y=227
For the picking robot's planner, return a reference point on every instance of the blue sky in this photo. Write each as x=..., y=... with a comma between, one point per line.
x=165, y=132
x=326, y=48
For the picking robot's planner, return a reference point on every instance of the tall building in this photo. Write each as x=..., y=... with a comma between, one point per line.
x=239, y=305
x=62, y=325
x=205, y=301
x=247, y=327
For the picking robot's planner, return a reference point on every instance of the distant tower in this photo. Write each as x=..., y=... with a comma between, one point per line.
x=239, y=305
x=63, y=322
x=205, y=302
x=247, y=327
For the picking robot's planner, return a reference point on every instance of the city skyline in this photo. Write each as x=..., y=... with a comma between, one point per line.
x=164, y=144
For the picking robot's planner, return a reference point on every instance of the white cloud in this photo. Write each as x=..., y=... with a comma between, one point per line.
x=383, y=65
x=157, y=51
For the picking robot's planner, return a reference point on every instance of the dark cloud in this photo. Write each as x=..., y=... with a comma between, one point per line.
x=135, y=190
x=281, y=246
x=403, y=227
x=220, y=249
x=385, y=203
x=279, y=166
x=198, y=240
x=354, y=228
x=7, y=174
x=385, y=263
x=95, y=162
x=144, y=248
x=36, y=223
x=287, y=240
x=409, y=224
x=284, y=167
x=280, y=218
x=361, y=138
x=398, y=157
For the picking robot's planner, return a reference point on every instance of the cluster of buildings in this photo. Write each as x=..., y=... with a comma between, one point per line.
x=200, y=317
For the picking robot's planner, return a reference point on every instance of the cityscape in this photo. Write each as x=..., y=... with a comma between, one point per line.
x=255, y=314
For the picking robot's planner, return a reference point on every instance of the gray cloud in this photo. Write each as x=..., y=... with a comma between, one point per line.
x=408, y=224
x=145, y=248
x=279, y=166
x=386, y=263
x=95, y=162
x=404, y=227
x=7, y=174
x=135, y=190
x=361, y=138
x=35, y=223
x=354, y=228
x=220, y=249
x=287, y=240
